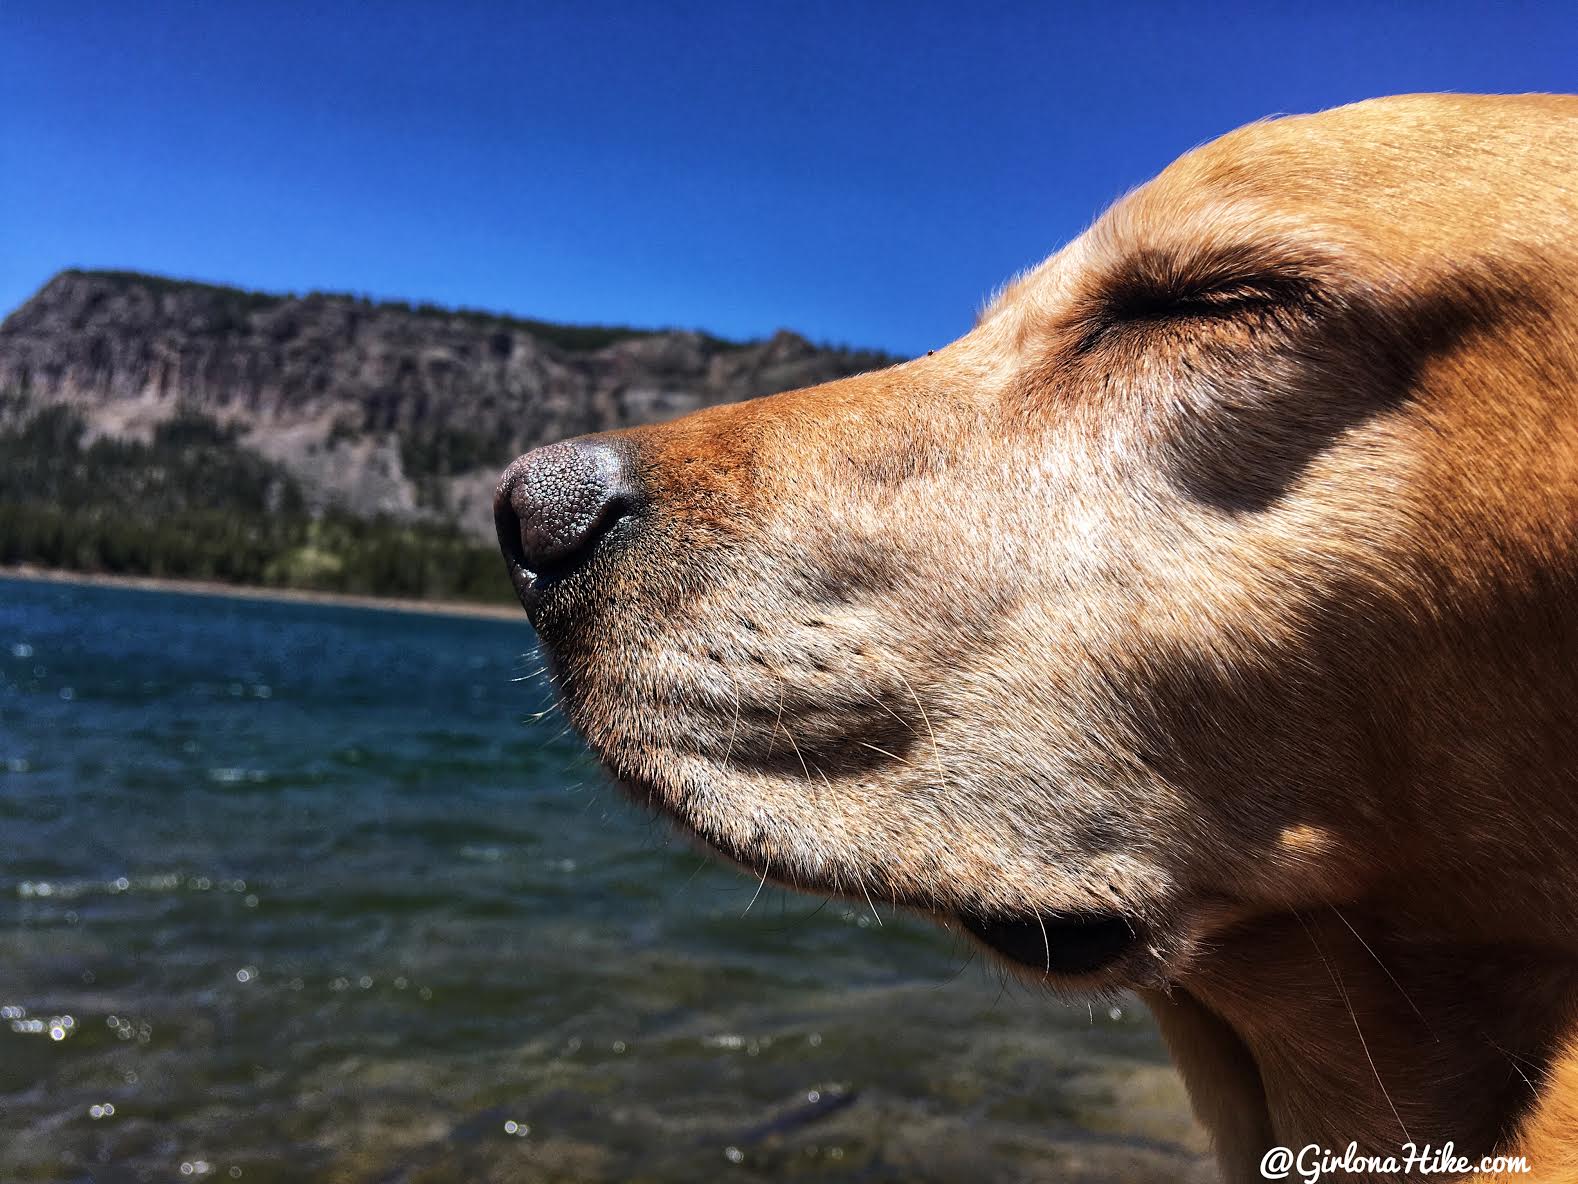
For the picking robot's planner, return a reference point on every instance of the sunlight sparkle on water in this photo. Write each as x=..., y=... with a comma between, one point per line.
x=56, y=1027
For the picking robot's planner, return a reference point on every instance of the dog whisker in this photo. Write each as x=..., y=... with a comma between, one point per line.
x=772, y=736
x=804, y=768
x=1342, y=991
x=936, y=753
x=869, y=903
x=734, y=723
x=1515, y=1061
x=883, y=751
x=870, y=694
x=767, y=867
x=1406, y=997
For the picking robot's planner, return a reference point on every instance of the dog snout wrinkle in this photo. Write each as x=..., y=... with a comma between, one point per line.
x=554, y=504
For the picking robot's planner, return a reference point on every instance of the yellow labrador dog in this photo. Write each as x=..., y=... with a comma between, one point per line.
x=1203, y=623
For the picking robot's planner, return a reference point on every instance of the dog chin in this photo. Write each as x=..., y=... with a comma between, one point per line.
x=1081, y=952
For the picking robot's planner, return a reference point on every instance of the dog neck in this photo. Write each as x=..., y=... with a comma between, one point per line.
x=1329, y=1028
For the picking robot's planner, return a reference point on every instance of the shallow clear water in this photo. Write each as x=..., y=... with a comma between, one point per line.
x=294, y=892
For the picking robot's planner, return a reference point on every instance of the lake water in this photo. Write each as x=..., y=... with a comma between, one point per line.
x=295, y=892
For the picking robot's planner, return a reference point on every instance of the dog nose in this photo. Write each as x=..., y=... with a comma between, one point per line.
x=554, y=504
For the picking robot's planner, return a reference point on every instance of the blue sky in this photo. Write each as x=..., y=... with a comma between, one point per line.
x=861, y=172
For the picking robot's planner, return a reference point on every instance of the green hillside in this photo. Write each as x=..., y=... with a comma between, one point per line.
x=193, y=504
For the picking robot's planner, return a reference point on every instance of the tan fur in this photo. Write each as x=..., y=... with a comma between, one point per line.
x=1548, y=1140
x=1223, y=578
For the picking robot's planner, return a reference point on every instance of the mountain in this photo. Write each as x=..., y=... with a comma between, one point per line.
x=376, y=408
x=138, y=411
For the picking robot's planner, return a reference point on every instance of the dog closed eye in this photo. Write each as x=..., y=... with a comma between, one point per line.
x=1224, y=299
x=1152, y=290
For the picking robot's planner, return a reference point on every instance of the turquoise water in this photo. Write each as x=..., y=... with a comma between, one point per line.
x=295, y=892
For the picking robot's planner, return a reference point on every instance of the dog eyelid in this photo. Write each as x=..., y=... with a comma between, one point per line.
x=1145, y=301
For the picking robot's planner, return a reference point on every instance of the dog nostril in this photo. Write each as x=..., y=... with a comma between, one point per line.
x=554, y=504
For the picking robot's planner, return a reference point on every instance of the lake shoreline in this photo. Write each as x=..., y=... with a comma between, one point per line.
x=437, y=608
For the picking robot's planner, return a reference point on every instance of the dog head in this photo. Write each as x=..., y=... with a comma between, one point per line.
x=1162, y=600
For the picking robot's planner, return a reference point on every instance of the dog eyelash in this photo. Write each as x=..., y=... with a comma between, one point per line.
x=1141, y=305
x=1221, y=299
